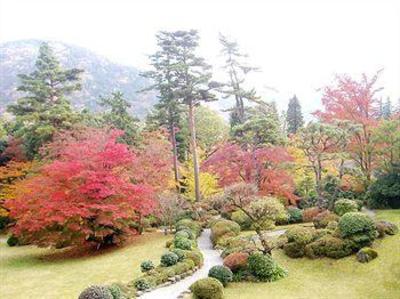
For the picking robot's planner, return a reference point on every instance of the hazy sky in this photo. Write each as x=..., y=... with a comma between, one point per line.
x=299, y=45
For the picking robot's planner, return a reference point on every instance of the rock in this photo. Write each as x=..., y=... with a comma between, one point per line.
x=139, y=293
x=366, y=254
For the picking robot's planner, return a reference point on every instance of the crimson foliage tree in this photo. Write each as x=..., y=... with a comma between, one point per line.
x=264, y=167
x=85, y=194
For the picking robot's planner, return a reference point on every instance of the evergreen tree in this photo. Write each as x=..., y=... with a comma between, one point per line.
x=237, y=70
x=118, y=117
x=387, y=109
x=294, y=116
x=44, y=109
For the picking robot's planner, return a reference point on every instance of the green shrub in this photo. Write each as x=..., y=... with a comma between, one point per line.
x=169, y=259
x=294, y=250
x=385, y=191
x=323, y=218
x=332, y=225
x=196, y=256
x=96, y=292
x=189, y=224
x=224, y=227
x=207, y=288
x=343, y=206
x=236, y=261
x=295, y=215
x=180, y=253
x=116, y=291
x=300, y=235
x=357, y=227
x=328, y=246
x=4, y=221
x=142, y=283
x=146, y=266
x=265, y=268
x=184, y=233
x=222, y=273
x=242, y=219
x=183, y=243
x=238, y=244
x=366, y=254
x=12, y=241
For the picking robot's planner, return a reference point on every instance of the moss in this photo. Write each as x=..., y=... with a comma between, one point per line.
x=366, y=254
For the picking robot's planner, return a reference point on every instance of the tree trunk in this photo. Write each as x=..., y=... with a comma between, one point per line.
x=174, y=155
x=196, y=171
x=266, y=248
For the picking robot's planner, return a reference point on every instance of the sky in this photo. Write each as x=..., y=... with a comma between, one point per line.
x=298, y=45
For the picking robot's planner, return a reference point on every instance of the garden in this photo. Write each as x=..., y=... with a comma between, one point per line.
x=187, y=204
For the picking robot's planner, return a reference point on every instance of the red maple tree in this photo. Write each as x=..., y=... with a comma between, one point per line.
x=354, y=101
x=264, y=167
x=85, y=194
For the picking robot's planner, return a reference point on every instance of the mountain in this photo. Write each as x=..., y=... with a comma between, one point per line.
x=101, y=76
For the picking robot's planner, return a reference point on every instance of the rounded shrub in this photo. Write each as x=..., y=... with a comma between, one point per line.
x=222, y=273
x=142, y=284
x=294, y=250
x=96, y=292
x=12, y=241
x=236, y=261
x=366, y=254
x=196, y=256
x=146, y=266
x=185, y=224
x=207, y=288
x=328, y=246
x=300, y=235
x=169, y=259
x=332, y=225
x=295, y=215
x=224, y=227
x=242, y=219
x=343, y=206
x=116, y=291
x=310, y=213
x=264, y=268
x=323, y=218
x=183, y=243
x=357, y=227
x=180, y=253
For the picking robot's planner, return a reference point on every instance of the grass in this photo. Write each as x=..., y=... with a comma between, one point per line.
x=331, y=279
x=38, y=273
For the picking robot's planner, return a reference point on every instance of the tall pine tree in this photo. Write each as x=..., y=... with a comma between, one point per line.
x=294, y=116
x=45, y=108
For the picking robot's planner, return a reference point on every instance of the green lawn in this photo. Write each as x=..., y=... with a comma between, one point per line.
x=331, y=279
x=36, y=273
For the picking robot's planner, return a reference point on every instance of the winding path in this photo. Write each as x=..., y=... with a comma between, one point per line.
x=211, y=258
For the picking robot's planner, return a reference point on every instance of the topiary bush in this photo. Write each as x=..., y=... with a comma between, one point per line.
x=146, y=266
x=12, y=241
x=328, y=246
x=222, y=273
x=224, y=227
x=295, y=215
x=343, y=206
x=242, y=219
x=366, y=254
x=169, y=259
x=196, y=256
x=180, y=253
x=207, y=288
x=236, y=261
x=357, y=227
x=264, y=268
x=141, y=284
x=323, y=218
x=96, y=292
x=183, y=243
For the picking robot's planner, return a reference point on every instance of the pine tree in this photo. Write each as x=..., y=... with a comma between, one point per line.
x=237, y=70
x=387, y=109
x=294, y=116
x=118, y=117
x=44, y=109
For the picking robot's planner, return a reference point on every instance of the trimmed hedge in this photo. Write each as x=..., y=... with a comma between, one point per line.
x=169, y=259
x=222, y=273
x=207, y=288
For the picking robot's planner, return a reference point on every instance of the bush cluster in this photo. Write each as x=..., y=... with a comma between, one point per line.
x=264, y=268
x=223, y=229
x=357, y=227
x=297, y=239
x=386, y=228
x=323, y=218
x=343, y=206
x=207, y=288
x=328, y=246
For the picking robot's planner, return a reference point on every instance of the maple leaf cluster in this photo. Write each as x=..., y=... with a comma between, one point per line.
x=264, y=167
x=85, y=193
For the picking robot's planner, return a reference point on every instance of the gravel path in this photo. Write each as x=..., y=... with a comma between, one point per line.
x=211, y=258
